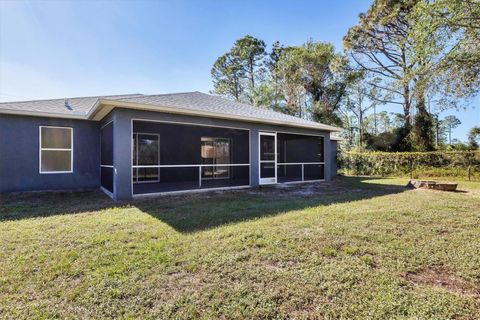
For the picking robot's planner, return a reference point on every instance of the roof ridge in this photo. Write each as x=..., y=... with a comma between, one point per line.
x=164, y=94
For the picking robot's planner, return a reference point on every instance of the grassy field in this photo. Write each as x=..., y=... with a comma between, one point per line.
x=356, y=248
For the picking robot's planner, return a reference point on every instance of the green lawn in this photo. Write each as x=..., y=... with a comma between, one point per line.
x=357, y=248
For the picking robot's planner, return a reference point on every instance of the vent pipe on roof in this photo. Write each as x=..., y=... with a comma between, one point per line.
x=67, y=105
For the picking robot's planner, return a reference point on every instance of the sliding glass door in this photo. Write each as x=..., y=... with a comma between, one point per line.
x=215, y=151
x=146, y=152
x=268, y=157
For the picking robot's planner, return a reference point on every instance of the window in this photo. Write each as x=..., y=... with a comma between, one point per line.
x=215, y=151
x=56, y=145
x=146, y=152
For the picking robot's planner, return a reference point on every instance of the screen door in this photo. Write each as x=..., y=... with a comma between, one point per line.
x=268, y=158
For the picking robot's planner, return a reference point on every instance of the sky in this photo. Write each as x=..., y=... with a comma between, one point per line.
x=58, y=49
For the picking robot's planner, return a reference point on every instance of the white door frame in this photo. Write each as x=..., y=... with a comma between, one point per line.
x=270, y=180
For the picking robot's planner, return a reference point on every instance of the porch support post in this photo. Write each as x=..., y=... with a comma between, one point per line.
x=327, y=157
x=122, y=140
x=254, y=158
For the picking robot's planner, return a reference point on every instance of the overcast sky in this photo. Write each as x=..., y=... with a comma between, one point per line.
x=57, y=49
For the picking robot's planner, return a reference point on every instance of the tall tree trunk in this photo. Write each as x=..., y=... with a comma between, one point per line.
x=406, y=108
x=252, y=80
x=360, y=128
x=237, y=88
x=422, y=132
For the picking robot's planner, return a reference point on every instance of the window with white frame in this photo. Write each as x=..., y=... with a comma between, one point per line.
x=56, y=150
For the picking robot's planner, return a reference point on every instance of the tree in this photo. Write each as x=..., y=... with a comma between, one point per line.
x=440, y=130
x=314, y=75
x=446, y=34
x=227, y=75
x=272, y=65
x=236, y=73
x=349, y=122
x=378, y=44
x=420, y=48
x=474, y=137
x=250, y=53
x=451, y=122
x=445, y=41
x=359, y=98
x=422, y=134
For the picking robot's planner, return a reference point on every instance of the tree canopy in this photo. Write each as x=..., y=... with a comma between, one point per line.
x=422, y=56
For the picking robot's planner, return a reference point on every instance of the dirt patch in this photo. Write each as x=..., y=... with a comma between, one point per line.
x=303, y=189
x=174, y=284
x=278, y=266
x=444, y=278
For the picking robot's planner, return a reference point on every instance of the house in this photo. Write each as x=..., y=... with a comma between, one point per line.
x=134, y=145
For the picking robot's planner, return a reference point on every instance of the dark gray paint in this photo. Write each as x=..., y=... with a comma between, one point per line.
x=122, y=142
x=333, y=158
x=19, y=153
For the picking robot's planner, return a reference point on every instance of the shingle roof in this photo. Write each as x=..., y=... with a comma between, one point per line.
x=188, y=102
x=67, y=106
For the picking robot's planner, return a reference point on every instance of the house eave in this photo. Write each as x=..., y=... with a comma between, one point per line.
x=102, y=107
x=43, y=114
x=105, y=106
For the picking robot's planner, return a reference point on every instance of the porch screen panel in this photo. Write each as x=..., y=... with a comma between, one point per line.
x=146, y=151
x=106, y=157
x=300, y=157
x=314, y=172
x=197, y=157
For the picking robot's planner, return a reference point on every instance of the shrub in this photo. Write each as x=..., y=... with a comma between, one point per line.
x=414, y=164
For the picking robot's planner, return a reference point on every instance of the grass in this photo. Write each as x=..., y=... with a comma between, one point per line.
x=357, y=248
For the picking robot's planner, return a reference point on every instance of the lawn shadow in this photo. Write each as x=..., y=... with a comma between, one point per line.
x=17, y=206
x=201, y=211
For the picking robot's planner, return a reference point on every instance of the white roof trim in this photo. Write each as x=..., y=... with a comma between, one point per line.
x=43, y=114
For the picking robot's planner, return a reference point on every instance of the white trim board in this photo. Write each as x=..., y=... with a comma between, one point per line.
x=144, y=195
x=108, y=193
x=269, y=180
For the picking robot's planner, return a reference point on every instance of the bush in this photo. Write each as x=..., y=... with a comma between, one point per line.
x=456, y=164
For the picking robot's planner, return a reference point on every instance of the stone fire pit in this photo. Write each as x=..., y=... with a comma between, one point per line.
x=425, y=184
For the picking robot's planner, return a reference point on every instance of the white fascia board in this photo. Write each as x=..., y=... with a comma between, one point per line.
x=42, y=114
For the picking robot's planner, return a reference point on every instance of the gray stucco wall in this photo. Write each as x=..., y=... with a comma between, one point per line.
x=122, y=143
x=19, y=155
x=333, y=158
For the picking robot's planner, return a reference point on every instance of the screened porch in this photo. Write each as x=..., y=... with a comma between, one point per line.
x=178, y=157
x=286, y=157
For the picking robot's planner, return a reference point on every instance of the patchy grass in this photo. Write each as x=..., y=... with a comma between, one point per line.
x=356, y=248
